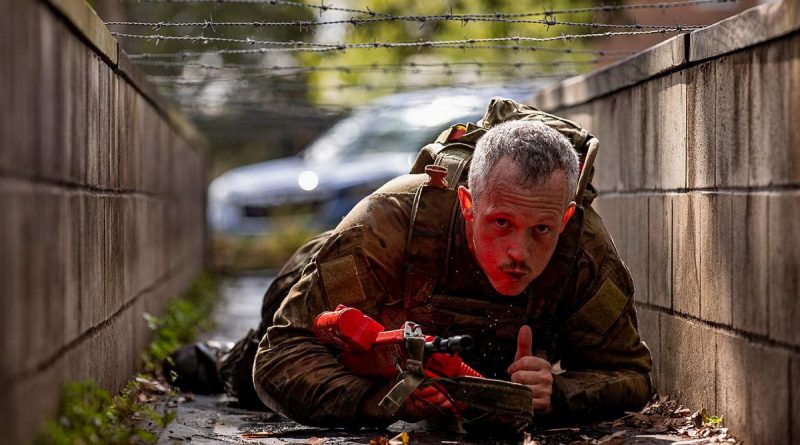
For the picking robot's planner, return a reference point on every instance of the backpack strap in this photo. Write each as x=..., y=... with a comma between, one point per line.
x=434, y=213
x=427, y=247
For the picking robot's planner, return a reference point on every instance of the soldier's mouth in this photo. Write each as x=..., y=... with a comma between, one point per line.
x=516, y=275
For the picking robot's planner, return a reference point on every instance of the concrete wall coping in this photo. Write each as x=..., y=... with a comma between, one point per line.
x=89, y=26
x=665, y=56
x=751, y=27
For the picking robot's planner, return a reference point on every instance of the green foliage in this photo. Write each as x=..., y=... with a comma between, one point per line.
x=396, y=31
x=89, y=415
x=182, y=321
x=713, y=421
x=268, y=251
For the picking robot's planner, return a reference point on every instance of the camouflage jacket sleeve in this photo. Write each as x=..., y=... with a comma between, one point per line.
x=606, y=364
x=358, y=266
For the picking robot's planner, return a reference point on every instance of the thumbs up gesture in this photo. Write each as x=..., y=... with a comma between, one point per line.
x=531, y=371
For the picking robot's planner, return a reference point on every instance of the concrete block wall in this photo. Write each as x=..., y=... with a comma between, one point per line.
x=699, y=178
x=102, y=195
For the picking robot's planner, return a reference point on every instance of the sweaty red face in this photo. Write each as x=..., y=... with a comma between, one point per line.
x=513, y=228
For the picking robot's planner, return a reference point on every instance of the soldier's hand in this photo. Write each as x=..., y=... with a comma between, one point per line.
x=426, y=403
x=532, y=371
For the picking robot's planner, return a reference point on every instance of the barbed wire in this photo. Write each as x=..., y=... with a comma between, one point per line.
x=326, y=47
x=322, y=7
x=529, y=48
x=173, y=81
x=463, y=18
x=374, y=67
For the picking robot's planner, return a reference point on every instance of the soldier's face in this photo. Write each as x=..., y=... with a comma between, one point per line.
x=513, y=228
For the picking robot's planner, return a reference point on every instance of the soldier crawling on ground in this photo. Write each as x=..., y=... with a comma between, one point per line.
x=509, y=253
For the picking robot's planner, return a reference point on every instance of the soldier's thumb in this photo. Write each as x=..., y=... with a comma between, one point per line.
x=524, y=342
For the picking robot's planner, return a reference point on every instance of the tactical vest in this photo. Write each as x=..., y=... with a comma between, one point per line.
x=431, y=233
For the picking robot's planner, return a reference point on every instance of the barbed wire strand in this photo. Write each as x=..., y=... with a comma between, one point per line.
x=465, y=19
x=322, y=7
x=530, y=48
x=173, y=80
x=379, y=67
x=326, y=47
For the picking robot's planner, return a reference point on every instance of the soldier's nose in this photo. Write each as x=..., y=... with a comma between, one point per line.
x=517, y=254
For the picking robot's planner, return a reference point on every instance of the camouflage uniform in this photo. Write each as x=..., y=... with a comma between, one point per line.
x=580, y=309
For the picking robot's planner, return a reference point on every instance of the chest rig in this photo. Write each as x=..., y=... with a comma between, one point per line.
x=431, y=234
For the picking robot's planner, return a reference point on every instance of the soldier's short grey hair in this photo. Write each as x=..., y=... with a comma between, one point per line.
x=535, y=148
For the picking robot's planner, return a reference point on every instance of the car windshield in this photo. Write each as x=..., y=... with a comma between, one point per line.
x=389, y=129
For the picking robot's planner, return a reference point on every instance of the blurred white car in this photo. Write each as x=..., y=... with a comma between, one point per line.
x=346, y=163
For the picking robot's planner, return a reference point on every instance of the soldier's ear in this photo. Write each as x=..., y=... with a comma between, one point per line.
x=465, y=199
x=567, y=215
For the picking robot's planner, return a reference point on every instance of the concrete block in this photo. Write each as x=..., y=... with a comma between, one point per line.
x=67, y=98
x=22, y=153
x=733, y=382
x=769, y=116
x=104, y=130
x=113, y=260
x=607, y=168
x=49, y=106
x=770, y=419
x=784, y=267
x=114, y=123
x=12, y=283
x=749, y=256
x=36, y=241
x=701, y=117
x=649, y=330
x=52, y=272
x=659, y=250
x=732, y=120
x=794, y=388
x=126, y=133
x=753, y=390
x=130, y=248
x=631, y=147
x=633, y=241
x=608, y=208
x=6, y=92
x=93, y=120
x=686, y=254
x=793, y=154
x=92, y=302
x=665, y=132
x=688, y=365
x=716, y=258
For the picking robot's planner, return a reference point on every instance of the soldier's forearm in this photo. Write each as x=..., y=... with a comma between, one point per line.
x=600, y=393
x=302, y=380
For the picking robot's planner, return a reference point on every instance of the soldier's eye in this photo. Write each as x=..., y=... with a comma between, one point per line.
x=502, y=223
x=541, y=229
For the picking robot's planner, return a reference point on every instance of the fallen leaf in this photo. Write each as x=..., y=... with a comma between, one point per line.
x=657, y=429
x=379, y=440
x=527, y=439
x=315, y=441
x=400, y=439
x=258, y=435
